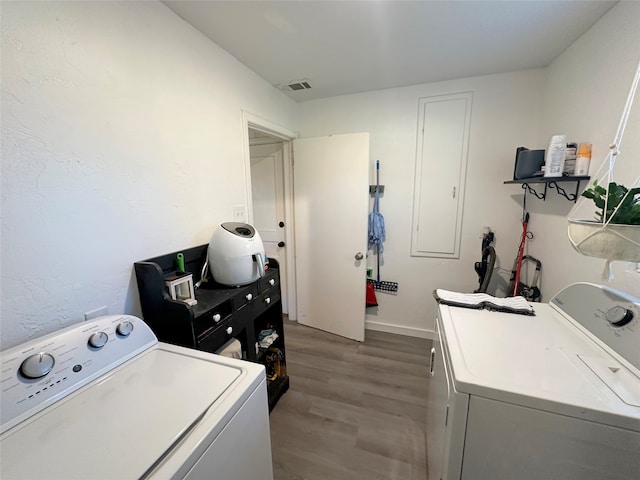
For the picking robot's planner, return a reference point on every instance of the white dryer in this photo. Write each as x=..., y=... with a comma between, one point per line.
x=105, y=400
x=550, y=396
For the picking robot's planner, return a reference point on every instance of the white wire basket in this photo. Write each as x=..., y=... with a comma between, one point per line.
x=611, y=241
x=603, y=236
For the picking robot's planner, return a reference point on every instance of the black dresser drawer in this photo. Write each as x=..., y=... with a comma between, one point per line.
x=247, y=296
x=212, y=319
x=213, y=340
x=268, y=298
x=269, y=281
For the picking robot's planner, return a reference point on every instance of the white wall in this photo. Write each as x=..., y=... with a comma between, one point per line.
x=121, y=140
x=505, y=114
x=581, y=94
x=585, y=93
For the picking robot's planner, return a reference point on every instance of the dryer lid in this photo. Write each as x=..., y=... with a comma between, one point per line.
x=538, y=362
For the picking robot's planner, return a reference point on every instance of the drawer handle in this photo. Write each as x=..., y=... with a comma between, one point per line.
x=217, y=317
x=248, y=296
x=272, y=282
x=229, y=330
x=433, y=360
x=267, y=300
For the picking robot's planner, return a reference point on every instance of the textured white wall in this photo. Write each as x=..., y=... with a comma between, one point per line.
x=505, y=114
x=585, y=93
x=121, y=140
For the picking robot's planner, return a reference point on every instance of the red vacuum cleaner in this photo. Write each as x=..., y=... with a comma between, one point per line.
x=517, y=286
x=518, y=263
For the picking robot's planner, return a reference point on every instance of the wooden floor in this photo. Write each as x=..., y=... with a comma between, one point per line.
x=354, y=410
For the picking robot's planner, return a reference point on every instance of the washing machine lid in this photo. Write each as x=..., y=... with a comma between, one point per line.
x=540, y=361
x=120, y=425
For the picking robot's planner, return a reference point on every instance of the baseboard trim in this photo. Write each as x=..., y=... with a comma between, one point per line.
x=399, y=329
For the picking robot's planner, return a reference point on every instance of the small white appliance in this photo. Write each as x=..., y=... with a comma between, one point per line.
x=104, y=399
x=555, y=395
x=236, y=254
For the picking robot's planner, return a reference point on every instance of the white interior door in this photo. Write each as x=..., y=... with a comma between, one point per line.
x=443, y=142
x=331, y=177
x=267, y=192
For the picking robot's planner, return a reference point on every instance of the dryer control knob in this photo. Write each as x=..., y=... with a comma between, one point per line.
x=229, y=330
x=217, y=317
x=248, y=296
x=37, y=365
x=98, y=339
x=125, y=328
x=619, y=316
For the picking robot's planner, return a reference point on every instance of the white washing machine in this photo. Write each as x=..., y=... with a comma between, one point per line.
x=550, y=396
x=105, y=400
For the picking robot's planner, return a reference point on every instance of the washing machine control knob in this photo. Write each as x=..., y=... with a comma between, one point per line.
x=619, y=316
x=37, y=365
x=125, y=328
x=98, y=339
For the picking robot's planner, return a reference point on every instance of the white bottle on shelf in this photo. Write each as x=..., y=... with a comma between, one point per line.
x=554, y=158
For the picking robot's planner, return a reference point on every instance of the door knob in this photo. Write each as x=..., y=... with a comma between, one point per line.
x=281, y=224
x=359, y=256
x=281, y=244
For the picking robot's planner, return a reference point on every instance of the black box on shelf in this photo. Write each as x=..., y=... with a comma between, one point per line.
x=528, y=163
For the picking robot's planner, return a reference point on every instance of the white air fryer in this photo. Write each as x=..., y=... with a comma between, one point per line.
x=236, y=254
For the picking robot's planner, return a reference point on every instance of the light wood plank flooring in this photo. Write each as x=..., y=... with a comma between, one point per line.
x=353, y=410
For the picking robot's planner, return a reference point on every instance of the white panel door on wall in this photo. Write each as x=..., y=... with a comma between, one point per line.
x=441, y=164
x=267, y=192
x=331, y=178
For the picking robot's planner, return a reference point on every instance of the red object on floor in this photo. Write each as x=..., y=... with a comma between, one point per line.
x=372, y=301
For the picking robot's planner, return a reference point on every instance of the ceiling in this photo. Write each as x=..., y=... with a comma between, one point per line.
x=343, y=47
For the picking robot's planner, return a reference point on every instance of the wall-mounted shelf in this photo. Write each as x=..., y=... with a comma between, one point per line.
x=550, y=182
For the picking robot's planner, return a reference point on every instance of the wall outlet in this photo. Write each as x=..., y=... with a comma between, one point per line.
x=98, y=312
x=240, y=213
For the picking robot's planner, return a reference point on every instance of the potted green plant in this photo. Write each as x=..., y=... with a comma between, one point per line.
x=621, y=204
x=615, y=232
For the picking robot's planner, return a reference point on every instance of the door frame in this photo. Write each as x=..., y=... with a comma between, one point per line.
x=254, y=122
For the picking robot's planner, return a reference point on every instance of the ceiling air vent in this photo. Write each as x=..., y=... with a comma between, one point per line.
x=303, y=85
x=294, y=86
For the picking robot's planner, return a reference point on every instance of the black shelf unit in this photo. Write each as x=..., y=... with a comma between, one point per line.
x=550, y=182
x=222, y=312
